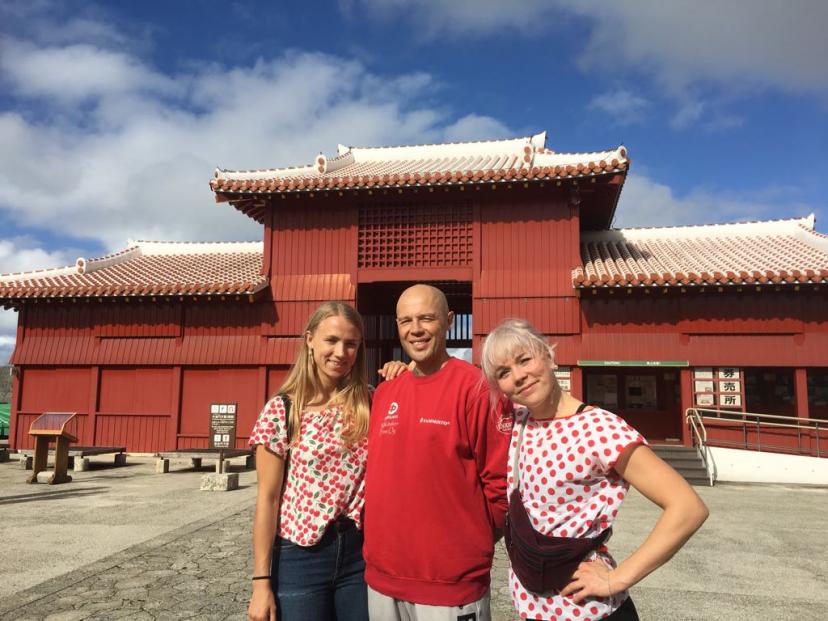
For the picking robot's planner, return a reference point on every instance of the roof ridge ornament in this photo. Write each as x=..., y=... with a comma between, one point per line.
x=538, y=140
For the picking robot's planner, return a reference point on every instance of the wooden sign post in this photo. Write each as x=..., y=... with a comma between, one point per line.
x=222, y=425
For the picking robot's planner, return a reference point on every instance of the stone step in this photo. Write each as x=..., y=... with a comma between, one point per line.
x=685, y=460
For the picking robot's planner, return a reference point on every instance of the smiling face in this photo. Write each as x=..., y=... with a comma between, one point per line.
x=423, y=319
x=334, y=345
x=527, y=378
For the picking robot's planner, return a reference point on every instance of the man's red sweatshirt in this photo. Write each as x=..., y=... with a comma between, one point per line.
x=435, y=487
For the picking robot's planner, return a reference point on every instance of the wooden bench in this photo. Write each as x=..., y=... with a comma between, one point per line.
x=79, y=456
x=196, y=456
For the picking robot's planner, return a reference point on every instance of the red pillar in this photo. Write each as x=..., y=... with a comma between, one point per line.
x=174, y=421
x=576, y=380
x=801, y=392
x=686, y=380
x=14, y=411
x=92, y=410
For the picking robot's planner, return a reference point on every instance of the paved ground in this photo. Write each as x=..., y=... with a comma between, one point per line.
x=125, y=543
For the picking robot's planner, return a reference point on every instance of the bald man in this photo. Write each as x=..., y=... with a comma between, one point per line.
x=436, y=479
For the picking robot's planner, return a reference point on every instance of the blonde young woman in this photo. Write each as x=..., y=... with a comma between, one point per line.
x=572, y=465
x=310, y=462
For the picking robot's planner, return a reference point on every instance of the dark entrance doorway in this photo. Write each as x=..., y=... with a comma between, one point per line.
x=377, y=302
x=649, y=399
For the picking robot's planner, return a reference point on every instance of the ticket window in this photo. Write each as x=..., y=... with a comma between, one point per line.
x=818, y=394
x=770, y=391
x=648, y=399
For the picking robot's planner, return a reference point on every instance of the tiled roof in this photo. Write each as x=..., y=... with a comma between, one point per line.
x=148, y=269
x=518, y=159
x=771, y=252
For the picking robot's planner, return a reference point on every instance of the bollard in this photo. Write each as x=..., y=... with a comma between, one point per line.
x=220, y=482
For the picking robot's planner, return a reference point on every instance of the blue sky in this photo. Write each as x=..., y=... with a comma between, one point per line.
x=113, y=115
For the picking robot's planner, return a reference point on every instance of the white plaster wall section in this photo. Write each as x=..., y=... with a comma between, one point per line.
x=735, y=465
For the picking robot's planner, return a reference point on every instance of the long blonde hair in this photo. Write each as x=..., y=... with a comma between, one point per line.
x=303, y=383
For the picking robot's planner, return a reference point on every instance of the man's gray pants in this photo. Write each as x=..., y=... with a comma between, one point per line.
x=384, y=608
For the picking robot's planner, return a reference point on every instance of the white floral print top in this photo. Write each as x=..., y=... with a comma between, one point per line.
x=570, y=489
x=325, y=478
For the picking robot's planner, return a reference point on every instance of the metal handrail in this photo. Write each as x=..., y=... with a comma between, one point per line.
x=759, y=422
x=698, y=435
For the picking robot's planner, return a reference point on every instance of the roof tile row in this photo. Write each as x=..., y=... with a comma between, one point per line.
x=425, y=165
x=148, y=269
x=776, y=252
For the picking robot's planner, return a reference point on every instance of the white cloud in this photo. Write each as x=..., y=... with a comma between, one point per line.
x=20, y=255
x=476, y=127
x=77, y=72
x=692, y=50
x=750, y=42
x=466, y=17
x=745, y=43
x=645, y=202
x=622, y=105
x=136, y=159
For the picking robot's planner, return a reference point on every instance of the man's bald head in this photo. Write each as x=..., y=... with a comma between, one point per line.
x=426, y=293
x=423, y=320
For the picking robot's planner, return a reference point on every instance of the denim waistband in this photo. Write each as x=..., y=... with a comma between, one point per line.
x=342, y=524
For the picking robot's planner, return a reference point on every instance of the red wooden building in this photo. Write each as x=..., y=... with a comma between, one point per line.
x=648, y=322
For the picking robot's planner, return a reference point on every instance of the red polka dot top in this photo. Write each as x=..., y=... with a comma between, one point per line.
x=569, y=489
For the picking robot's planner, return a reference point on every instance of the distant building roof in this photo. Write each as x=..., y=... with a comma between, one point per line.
x=148, y=269
x=776, y=251
x=488, y=161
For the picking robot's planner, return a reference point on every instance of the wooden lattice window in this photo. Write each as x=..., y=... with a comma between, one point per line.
x=395, y=235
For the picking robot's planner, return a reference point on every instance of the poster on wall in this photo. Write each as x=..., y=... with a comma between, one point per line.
x=641, y=392
x=722, y=387
x=703, y=373
x=564, y=377
x=704, y=386
x=705, y=400
x=222, y=425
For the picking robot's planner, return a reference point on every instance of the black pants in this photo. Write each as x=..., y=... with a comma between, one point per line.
x=625, y=612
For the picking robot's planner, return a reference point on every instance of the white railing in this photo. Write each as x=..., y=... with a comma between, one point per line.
x=698, y=438
x=753, y=425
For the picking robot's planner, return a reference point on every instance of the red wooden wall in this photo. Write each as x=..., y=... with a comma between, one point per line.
x=144, y=373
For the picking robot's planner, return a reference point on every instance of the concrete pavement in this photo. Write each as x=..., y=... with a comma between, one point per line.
x=125, y=543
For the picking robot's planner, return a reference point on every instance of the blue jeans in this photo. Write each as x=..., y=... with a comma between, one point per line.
x=323, y=582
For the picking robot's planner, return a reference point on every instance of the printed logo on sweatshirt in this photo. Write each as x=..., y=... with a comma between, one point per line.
x=391, y=420
x=505, y=422
x=435, y=421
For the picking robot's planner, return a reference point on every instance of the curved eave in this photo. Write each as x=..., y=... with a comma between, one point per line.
x=755, y=278
x=231, y=189
x=12, y=297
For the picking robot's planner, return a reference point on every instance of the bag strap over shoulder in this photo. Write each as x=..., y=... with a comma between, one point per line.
x=515, y=462
x=287, y=404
